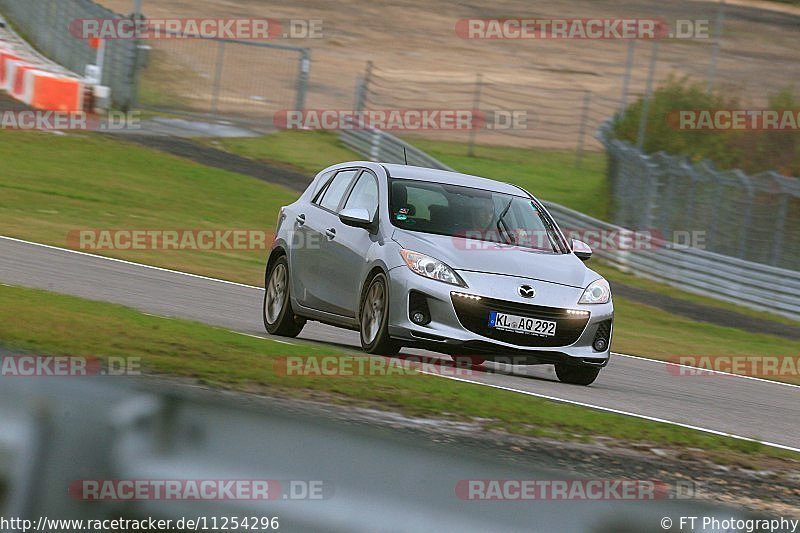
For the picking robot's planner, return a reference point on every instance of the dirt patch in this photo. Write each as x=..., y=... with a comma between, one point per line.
x=212, y=157
x=420, y=60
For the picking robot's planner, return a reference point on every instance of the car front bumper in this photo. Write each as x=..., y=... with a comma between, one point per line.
x=456, y=328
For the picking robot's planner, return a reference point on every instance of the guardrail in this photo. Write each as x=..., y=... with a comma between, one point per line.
x=752, y=217
x=749, y=284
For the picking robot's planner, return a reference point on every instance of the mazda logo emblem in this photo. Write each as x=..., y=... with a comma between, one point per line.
x=526, y=291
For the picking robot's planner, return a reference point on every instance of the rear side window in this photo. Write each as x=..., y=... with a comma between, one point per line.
x=332, y=196
x=321, y=183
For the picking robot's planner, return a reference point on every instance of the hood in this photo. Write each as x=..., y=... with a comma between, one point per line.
x=478, y=256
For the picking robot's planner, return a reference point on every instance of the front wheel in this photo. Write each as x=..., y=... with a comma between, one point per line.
x=374, y=318
x=576, y=375
x=279, y=318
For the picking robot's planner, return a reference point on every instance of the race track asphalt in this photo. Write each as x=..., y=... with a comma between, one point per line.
x=744, y=407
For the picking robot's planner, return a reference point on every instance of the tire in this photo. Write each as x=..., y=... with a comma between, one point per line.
x=576, y=374
x=279, y=317
x=373, y=318
x=467, y=361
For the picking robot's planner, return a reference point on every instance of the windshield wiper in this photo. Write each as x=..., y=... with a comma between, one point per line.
x=501, y=224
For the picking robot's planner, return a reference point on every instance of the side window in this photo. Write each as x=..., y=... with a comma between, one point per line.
x=365, y=194
x=335, y=191
x=321, y=183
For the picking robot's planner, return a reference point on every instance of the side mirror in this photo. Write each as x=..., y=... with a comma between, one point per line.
x=356, y=217
x=581, y=250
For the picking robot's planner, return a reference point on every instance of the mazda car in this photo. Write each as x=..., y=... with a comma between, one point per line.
x=462, y=265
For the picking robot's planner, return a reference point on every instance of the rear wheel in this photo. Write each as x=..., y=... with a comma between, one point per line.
x=576, y=374
x=374, y=318
x=279, y=318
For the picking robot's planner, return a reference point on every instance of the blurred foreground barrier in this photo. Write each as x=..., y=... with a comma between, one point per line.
x=75, y=448
x=750, y=284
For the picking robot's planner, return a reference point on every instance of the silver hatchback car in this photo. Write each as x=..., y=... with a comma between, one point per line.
x=421, y=258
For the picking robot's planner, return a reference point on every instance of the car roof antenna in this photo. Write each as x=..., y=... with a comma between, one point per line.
x=405, y=155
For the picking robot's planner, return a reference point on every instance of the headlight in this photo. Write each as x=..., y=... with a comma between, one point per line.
x=598, y=292
x=429, y=267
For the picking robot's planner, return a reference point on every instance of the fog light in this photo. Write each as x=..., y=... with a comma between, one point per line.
x=602, y=339
x=419, y=318
x=600, y=345
x=418, y=310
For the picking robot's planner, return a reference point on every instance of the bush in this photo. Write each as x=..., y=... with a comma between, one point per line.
x=751, y=151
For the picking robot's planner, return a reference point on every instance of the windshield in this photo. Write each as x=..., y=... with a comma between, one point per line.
x=469, y=213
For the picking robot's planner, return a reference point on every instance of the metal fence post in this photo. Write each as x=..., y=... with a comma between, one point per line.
x=745, y=224
x=712, y=67
x=780, y=225
x=587, y=96
x=648, y=94
x=218, y=77
x=375, y=145
x=302, y=80
x=476, y=102
x=626, y=80
x=363, y=88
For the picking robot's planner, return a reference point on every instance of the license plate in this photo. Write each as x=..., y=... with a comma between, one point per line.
x=521, y=324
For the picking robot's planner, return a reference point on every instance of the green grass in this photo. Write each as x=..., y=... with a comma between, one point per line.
x=40, y=322
x=643, y=330
x=53, y=184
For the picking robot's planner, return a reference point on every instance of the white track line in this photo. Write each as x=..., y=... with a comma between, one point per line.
x=130, y=263
x=260, y=337
x=500, y=387
x=616, y=411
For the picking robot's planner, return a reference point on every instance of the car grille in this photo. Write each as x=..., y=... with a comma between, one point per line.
x=474, y=316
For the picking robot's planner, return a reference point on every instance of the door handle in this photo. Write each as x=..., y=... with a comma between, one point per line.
x=331, y=233
x=300, y=219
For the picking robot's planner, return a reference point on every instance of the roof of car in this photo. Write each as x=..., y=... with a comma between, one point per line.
x=449, y=177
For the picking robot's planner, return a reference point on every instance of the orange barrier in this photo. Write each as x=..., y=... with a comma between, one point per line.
x=5, y=56
x=19, y=88
x=39, y=88
x=56, y=93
